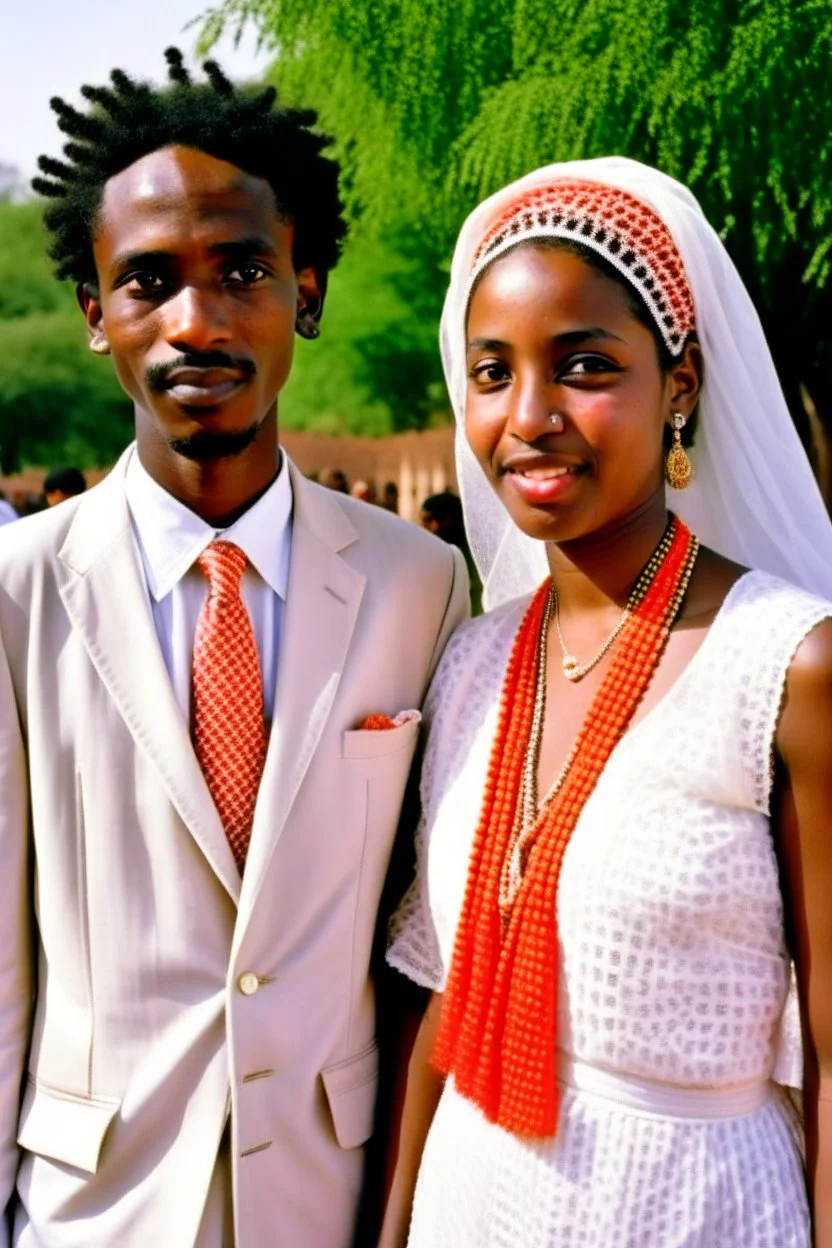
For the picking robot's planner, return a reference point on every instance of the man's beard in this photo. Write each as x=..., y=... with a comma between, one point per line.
x=210, y=444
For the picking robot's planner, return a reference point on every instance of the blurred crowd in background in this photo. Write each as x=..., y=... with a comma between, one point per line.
x=440, y=514
x=58, y=485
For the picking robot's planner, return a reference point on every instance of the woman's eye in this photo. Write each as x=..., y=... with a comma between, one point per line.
x=489, y=372
x=247, y=274
x=588, y=366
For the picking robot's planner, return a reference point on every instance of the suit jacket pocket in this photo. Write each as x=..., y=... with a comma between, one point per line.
x=351, y=1088
x=65, y=1126
x=366, y=743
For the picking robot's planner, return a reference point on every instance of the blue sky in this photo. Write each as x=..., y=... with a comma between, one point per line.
x=50, y=47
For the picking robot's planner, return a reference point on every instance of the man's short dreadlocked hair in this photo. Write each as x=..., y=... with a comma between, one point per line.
x=132, y=119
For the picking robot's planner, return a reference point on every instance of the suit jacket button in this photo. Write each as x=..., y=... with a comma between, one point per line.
x=248, y=983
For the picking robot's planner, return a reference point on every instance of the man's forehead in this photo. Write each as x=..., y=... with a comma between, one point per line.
x=183, y=180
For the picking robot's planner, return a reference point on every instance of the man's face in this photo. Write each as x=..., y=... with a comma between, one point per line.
x=197, y=297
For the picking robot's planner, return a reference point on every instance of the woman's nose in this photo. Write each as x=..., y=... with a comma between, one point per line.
x=534, y=413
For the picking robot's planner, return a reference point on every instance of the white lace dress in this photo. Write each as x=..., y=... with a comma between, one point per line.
x=674, y=1010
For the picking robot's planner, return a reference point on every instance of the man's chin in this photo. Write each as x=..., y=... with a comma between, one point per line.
x=206, y=445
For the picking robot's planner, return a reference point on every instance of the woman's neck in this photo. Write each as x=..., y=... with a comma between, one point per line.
x=593, y=572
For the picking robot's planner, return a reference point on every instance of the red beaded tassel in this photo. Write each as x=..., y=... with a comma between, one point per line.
x=497, y=1033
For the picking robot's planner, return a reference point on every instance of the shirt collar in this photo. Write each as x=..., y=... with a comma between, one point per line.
x=172, y=537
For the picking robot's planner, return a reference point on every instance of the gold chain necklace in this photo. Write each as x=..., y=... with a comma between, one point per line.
x=572, y=669
x=529, y=807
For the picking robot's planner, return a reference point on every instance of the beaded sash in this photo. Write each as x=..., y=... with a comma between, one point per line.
x=497, y=1032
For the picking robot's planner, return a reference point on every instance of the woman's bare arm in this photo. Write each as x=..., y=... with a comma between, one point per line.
x=422, y=1090
x=804, y=836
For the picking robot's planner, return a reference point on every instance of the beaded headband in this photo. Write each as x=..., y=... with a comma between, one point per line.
x=620, y=227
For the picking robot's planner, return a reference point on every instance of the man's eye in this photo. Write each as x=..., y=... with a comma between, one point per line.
x=247, y=274
x=145, y=283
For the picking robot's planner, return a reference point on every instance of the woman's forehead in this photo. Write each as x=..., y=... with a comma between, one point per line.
x=545, y=279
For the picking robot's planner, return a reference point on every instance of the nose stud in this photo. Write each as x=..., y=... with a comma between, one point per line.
x=556, y=420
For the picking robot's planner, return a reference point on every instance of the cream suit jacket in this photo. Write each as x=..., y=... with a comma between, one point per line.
x=148, y=996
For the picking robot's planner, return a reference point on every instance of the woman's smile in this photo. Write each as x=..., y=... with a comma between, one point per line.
x=540, y=481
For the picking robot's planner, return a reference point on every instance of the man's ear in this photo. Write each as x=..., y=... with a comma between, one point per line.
x=311, y=290
x=90, y=304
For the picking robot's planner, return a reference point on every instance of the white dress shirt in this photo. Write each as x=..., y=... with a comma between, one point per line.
x=170, y=538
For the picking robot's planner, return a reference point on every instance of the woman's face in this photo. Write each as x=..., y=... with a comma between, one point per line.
x=548, y=334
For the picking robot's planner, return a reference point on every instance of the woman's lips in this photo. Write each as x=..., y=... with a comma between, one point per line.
x=543, y=485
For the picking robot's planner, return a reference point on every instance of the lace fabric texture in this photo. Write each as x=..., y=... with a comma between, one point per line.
x=673, y=965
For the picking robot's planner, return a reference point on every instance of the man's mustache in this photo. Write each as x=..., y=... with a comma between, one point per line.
x=157, y=376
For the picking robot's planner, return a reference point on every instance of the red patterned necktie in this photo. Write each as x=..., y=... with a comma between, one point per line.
x=229, y=731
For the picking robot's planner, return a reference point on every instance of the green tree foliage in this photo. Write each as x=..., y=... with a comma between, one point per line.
x=375, y=369
x=58, y=402
x=436, y=103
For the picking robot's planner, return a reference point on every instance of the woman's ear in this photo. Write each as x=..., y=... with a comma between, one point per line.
x=685, y=381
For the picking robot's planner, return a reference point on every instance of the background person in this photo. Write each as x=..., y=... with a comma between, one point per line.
x=441, y=514
x=63, y=483
x=7, y=512
x=365, y=491
x=627, y=787
x=334, y=479
x=390, y=497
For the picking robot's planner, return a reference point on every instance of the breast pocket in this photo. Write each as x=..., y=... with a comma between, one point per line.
x=377, y=766
x=367, y=744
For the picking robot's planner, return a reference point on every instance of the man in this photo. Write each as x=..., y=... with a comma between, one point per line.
x=63, y=483
x=194, y=827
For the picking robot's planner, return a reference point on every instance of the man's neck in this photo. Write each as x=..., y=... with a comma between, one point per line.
x=219, y=490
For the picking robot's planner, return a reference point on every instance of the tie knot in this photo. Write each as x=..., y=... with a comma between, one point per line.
x=223, y=564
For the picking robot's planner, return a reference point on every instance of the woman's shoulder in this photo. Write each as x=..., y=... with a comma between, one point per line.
x=763, y=606
x=757, y=633
x=755, y=585
x=741, y=680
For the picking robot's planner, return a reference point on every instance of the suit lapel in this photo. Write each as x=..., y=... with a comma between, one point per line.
x=322, y=602
x=104, y=594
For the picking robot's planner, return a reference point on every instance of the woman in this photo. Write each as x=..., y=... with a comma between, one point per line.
x=627, y=786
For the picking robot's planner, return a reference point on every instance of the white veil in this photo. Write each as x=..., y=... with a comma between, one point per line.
x=753, y=497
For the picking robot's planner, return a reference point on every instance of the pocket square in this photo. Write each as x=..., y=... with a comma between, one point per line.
x=379, y=723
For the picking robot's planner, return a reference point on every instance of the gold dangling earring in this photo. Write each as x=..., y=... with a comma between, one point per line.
x=678, y=470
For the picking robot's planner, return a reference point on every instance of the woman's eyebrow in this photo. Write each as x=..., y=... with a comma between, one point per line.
x=566, y=339
x=580, y=335
x=487, y=344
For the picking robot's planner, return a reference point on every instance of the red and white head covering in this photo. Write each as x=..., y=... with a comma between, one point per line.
x=615, y=224
x=754, y=497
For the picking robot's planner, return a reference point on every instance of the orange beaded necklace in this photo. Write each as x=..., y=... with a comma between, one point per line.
x=497, y=1032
